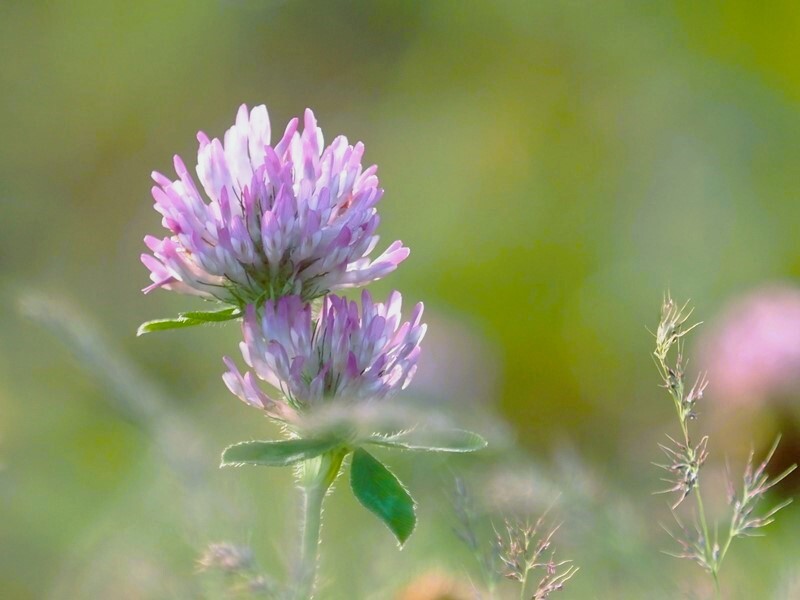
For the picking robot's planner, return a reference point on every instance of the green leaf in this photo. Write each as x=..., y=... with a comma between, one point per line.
x=190, y=319
x=431, y=440
x=213, y=316
x=165, y=324
x=380, y=492
x=275, y=454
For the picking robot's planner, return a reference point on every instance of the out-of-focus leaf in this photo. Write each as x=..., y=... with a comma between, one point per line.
x=275, y=454
x=441, y=440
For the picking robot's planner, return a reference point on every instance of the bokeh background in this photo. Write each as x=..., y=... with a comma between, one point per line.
x=554, y=167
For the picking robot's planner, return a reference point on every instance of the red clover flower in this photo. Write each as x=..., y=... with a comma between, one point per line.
x=296, y=217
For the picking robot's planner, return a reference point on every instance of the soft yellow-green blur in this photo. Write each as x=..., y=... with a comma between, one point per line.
x=554, y=168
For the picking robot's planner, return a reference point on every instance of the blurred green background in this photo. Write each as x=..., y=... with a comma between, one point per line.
x=554, y=167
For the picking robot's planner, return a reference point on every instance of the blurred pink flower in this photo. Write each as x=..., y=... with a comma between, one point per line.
x=293, y=218
x=752, y=352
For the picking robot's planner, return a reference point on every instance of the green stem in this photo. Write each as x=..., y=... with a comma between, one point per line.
x=726, y=546
x=704, y=524
x=315, y=477
x=715, y=562
x=709, y=550
x=524, y=583
x=719, y=560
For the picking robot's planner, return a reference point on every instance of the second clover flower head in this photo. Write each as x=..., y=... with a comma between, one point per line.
x=351, y=354
x=293, y=218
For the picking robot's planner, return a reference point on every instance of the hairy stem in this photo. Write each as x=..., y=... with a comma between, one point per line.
x=315, y=477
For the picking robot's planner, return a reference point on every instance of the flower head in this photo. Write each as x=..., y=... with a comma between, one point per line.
x=350, y=354
x=753, y=351
x=294, y=218
x=226, y=557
